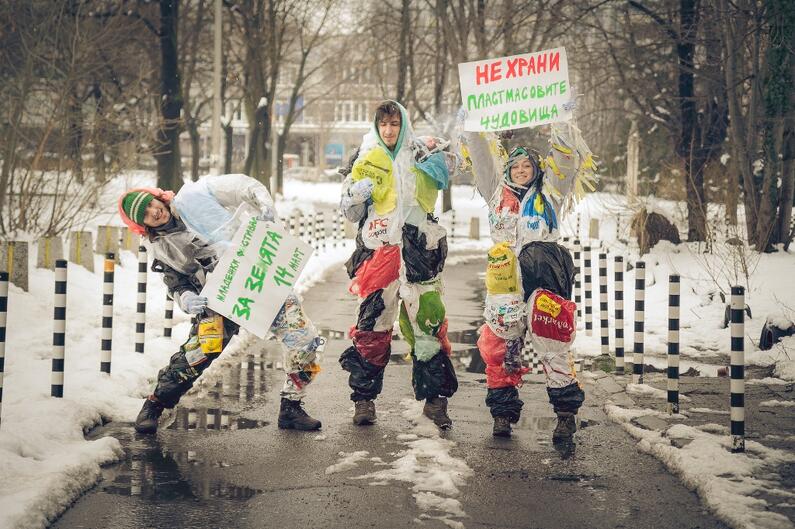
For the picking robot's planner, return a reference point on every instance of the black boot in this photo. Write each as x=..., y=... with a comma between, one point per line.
x=146, y=422
x=436, y=410
x=502, y=427
x=565, y=428
x=293, y=416
x=364, y=412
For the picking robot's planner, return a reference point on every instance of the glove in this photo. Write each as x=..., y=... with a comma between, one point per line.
x=268, y=214
x=360, y=191
x=192, y=303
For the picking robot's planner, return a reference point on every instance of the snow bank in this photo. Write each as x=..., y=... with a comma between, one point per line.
x=731, y=485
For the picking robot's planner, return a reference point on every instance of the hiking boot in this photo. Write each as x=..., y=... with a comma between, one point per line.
x=365, y=412
x=502, y=427
x=436, y=410
x=146, y=422
x=565, y=428
x=293, y=416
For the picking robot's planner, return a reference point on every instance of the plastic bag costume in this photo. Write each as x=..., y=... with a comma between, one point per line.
x=529, y=276
x=400, y=252
x=205, y=216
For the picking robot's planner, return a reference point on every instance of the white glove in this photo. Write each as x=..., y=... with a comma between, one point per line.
x=360, y=191
x=268, y=214
x=192, y=303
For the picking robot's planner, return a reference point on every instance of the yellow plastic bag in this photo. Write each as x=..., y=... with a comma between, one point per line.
x=426, y=191
x=211, y=334
x=377, y=166
x=501, y=276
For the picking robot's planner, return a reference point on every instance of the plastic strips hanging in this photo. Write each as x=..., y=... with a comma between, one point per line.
x=504, y=315
x=501, y=270
x=570, y=158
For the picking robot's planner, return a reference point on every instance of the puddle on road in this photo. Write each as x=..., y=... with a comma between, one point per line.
x=150, y=473
x=186, y=419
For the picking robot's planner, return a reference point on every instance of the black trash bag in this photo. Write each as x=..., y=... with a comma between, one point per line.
x=434, y=378
x=567, y=399
x=178, y=376
x=772, y=333
x=421, y=264
x=504, y=402
x=370, y=309
x=359, y=255
x=366, y=380
x=546, y=265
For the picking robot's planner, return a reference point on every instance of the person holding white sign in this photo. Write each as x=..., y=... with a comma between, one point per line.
x=527, y=196
x=390, y=192
x=186, y=233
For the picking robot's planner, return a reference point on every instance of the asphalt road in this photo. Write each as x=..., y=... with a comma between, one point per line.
x=221, y=461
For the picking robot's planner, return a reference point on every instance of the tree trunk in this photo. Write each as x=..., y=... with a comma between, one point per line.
x=74, y=134
x=281, y=145
x=228, y=147
x=403, y=54
x=195, y=148
x=257, y=160
x=787, y=191
x=778, y=85
x=687, y=148
x=168, y=161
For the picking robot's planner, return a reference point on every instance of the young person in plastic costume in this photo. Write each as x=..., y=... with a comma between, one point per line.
x=527, y=197
x=186, y=233
x=390, y=191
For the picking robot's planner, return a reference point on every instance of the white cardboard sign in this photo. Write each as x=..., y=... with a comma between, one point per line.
x=254, y=277
x=515, y=92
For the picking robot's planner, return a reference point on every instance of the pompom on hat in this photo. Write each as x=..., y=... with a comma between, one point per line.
x=133, y=203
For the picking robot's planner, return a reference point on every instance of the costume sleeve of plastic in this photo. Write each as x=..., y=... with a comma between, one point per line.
x=487, y=173
x=354, y=212
x=231, y=190
x=570, y=169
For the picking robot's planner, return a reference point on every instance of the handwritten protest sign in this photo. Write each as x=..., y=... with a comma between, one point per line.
x=515, y=92
x=254, y=277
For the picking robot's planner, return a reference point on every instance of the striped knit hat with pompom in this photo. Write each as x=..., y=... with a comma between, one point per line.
x=134, y=205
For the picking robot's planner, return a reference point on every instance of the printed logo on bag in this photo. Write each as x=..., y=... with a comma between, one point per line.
x=378, y=227
x=552, y=317
x=548, y=305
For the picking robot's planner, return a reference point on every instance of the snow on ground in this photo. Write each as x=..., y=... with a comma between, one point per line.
x=736, y=487
x=426, y=464
x=46, y=463
x=704, y=276
x=649, y=391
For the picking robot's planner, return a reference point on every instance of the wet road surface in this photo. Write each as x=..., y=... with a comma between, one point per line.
x=219, y=460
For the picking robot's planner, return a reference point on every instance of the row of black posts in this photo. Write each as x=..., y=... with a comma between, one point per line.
x=582, y=260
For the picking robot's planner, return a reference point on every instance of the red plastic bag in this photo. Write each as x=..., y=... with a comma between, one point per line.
x=377, y=272
x=492, y=351
x=551, y=316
